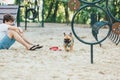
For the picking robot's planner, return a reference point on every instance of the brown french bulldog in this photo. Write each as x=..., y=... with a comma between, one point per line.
x=68, y=42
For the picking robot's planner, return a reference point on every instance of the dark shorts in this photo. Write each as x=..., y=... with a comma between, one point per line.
x=6, y=42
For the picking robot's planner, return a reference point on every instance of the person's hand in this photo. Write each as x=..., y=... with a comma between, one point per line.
x=20, y=30
x=17, y=30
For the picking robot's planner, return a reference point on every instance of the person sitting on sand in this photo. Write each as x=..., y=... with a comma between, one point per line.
x=10, y=33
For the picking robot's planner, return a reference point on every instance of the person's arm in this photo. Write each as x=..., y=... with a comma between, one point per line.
x=13, y=28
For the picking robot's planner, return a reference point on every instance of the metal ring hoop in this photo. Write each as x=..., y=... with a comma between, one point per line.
x=34, y=13
x=72, y=24
x=86, y=2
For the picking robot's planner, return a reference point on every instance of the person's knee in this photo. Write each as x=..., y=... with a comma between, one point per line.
x=11, y=33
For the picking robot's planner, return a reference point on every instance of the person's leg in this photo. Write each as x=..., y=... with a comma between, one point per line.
x=37, y=45
x=17, y=37
x=23, y=36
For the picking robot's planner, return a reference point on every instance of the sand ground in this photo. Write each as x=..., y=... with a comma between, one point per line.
x=17, y=63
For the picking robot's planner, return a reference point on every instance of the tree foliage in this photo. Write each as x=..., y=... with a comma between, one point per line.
x=58, y=11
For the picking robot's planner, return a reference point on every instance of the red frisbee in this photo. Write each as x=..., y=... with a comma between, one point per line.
x=55, y=48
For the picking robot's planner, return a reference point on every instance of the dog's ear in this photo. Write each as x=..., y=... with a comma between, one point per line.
x=70, y=34
x=64, y=34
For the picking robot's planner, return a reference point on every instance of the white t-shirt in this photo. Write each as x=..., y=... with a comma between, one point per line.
x=3, y=30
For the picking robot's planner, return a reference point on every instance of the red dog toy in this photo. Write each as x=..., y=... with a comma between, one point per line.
x=55, y=48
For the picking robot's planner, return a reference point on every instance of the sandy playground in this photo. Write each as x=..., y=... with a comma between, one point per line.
x=44, y=64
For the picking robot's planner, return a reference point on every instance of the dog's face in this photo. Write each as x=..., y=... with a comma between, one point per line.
x=67, y=38
x=68, y=42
